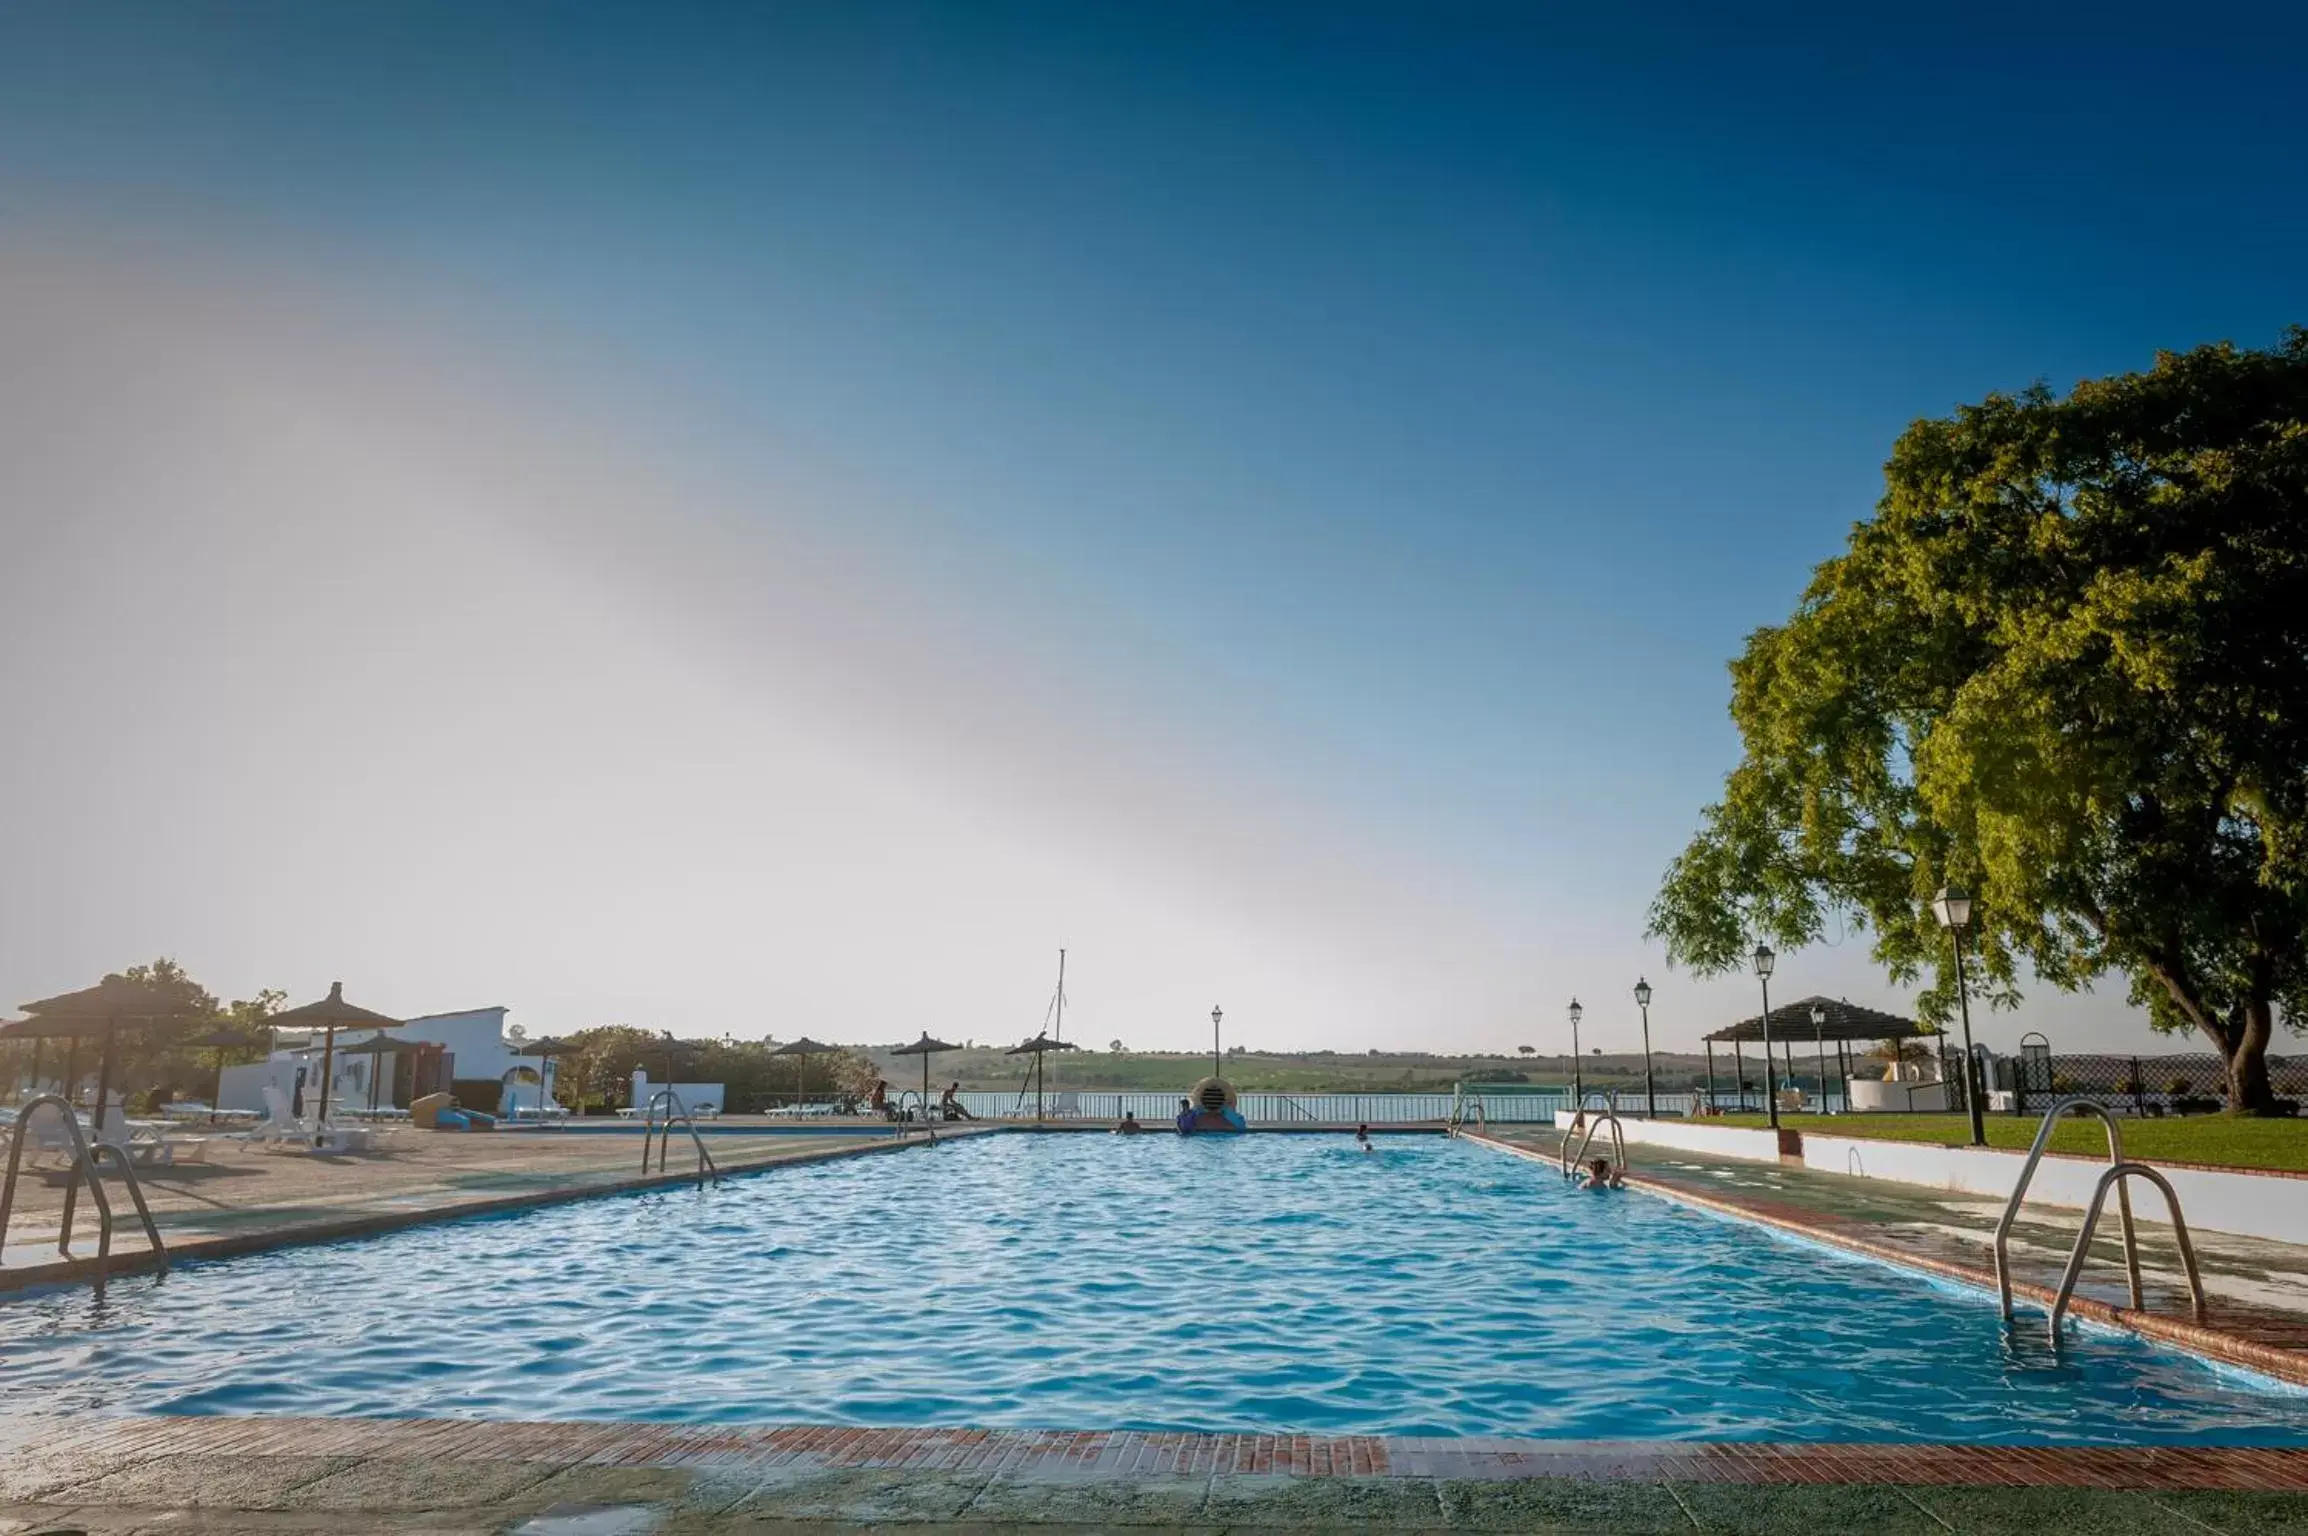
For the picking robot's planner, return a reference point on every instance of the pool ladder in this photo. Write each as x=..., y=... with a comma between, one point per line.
x=905, y=1117
x=84, y=1169
x=1602, y=1113
x=2118, y=1171
x=660, y=1132
x=1459, y=1108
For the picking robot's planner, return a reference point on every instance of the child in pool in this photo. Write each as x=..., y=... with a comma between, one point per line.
x=1599, y=1175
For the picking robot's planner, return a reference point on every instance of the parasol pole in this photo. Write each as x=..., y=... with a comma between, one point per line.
x=328, y=1059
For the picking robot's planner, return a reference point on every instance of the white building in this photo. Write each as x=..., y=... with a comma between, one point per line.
x=475, y=1040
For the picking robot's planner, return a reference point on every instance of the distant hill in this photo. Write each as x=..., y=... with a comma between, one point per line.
x=987, y=1068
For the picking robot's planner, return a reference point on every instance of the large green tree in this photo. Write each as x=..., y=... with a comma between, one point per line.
x=2065, y=665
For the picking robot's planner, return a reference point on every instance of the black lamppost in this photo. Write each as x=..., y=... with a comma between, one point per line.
x=1819, y=1045
x=1764, y=961
x=1578, y=1083
x=1953, y=908
x=1216, y=1014
x=1650, y=1088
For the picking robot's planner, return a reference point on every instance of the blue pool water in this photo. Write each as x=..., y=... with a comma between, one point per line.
x=1090, y=1282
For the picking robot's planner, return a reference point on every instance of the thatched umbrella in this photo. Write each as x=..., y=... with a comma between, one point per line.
x=40, y=1031
x=925, y=1048
x=99, y=1010
x=804, y=1048
x=542, y=1049
x=329, y=1015
x=1040, y=1048
x=379, y=1045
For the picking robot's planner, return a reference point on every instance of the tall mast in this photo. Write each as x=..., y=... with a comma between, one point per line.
x=1060, y=1028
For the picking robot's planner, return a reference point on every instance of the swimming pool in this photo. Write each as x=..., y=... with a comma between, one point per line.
x=1279, y=1283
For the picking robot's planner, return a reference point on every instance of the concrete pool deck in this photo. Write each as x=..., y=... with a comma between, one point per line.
x=241, y=1199
x=342, y=1476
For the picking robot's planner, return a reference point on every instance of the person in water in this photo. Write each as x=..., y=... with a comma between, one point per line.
x=1362, y=1137
x=1599, y=1175
x=1185, y=1116
x=1129, y=1125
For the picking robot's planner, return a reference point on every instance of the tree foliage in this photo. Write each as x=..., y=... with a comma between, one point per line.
x=2065, y=665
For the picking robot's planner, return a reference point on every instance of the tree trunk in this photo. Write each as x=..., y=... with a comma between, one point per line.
x=2249, y=1091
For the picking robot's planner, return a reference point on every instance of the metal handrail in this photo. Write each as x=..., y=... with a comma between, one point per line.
x=1482, y=1116
x=1618, y=1143
x=652, y=1130
x=2019, y=1191
x=928, y=1125
x=2115, y=1176
x=84, y=1156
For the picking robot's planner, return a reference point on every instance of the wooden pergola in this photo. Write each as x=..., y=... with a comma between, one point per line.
x=1821, y=1019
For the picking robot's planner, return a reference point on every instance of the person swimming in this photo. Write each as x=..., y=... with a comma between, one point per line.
x=1362, y=1137
x=1129, y=1125
x=1185, y=1117
x=1599, y=1175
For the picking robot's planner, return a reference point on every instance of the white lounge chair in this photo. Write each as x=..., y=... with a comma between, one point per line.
x=284, y=1128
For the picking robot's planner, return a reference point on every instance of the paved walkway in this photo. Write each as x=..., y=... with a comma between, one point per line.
x=2257, y=1290
x=242, y=1198
x=340, y=1476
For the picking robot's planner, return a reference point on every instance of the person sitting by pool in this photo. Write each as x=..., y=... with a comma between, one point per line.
x=1129, y=1125
x=1362, y=1137
x=950, y=1104
x=879, y=1103
x=1599, y=1175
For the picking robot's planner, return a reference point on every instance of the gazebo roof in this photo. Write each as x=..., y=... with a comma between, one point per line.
x=1845, y=1021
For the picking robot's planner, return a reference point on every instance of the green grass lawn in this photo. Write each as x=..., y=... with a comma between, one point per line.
x=2215, y=1139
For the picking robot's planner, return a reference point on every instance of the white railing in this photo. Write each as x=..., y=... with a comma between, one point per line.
x=1261, y=1107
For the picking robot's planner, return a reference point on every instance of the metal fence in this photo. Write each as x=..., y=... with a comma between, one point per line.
x=2181, y=1084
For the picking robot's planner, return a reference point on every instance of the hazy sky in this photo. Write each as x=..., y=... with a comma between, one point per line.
x=775, y=518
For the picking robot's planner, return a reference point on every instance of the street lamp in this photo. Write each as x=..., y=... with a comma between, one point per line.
x=1650, y=1088
x=1578, y=1083
x=1764, y=961
x=1216, y=1014
x=1819, y=1046
x=1953, y=909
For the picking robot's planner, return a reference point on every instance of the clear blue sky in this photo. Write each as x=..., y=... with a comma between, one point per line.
x=1337, y=427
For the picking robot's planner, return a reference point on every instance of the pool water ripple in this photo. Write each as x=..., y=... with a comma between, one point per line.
x=1271, y=1283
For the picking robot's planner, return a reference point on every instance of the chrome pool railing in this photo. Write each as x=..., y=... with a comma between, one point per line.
x=1618, y=1142
x=83, y=1170
x=661, y=1132
x=2027, y=1174
x=2115, y=1176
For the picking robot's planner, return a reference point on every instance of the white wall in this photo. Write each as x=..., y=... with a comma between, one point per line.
x=2248, y=1204
x=694, y=1096
x=1689, y=1136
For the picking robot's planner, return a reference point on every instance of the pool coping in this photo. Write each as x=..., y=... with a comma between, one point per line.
x=2213, y=1344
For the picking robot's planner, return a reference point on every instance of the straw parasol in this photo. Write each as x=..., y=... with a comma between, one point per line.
x=804, y=1048
x=40, y=1031
x=99, y=1010
x=925, y=1048
x=380, y=1045
x=329, y=1015
x=1040, y=1048
x=542, y=1049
